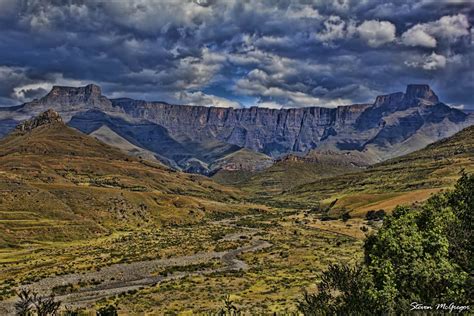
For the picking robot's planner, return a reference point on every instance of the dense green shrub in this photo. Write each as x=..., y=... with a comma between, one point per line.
x=375, y=215
x=108, y=310
x=419, y=255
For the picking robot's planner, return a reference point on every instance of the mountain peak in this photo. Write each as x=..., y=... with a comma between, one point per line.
x=414, y=95
x=46, y=118
x=420, y=91
x=68, y=100
x=89, y=91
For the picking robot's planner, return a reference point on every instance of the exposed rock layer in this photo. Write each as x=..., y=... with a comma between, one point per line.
x=45, y=118
x=191, y=136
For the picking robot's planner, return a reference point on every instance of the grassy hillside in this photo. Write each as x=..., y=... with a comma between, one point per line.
x=293, y=170
x=58, y=184
x=402, y=180
x=238, y=166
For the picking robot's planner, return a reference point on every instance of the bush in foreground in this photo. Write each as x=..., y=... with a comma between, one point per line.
x=421, y=255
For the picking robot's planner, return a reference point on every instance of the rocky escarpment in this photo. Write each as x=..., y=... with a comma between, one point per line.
x=389, y=121
x=45, y=118
x=271, y=131
x=194, y=137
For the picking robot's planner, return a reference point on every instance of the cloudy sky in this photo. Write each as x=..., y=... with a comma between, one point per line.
x=270, y=53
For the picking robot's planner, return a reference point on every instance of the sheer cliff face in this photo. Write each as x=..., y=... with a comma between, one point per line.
x=389, y=121
x=271, y=131
x=394, y=124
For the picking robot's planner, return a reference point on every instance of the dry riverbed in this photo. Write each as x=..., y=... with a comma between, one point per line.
x=262, y=261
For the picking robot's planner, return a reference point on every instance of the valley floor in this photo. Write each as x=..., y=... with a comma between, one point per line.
x=263, y=261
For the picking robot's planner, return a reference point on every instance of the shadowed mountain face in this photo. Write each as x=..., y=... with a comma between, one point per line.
x=194, y=137
x=182, y=152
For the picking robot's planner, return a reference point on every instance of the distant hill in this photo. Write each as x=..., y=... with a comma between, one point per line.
x=57, y=183
x=293, y=170
x=401, y=180
x=198, y=138
x=238, y=166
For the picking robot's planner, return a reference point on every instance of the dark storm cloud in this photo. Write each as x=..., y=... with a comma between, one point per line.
x=225, y=53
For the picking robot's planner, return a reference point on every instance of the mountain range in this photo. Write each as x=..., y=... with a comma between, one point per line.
x=208, y=140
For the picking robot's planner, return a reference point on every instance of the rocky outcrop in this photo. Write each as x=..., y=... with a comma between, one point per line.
x=390, y=101
x=46, y=118
x=70, y=100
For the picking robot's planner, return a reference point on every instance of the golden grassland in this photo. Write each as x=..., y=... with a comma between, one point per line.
x=72, y=209
x=404, y=180
x=57, y=184
x=274, y=280
x=300, y=248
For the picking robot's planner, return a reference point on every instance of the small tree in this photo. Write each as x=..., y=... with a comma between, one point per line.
x=69, y=311
x=45, y=305
x=345, y=216
x=422, y=254
x=108, y=310
x=229, y=309
x=24, y=305
x=341, y=291
x=31, y=303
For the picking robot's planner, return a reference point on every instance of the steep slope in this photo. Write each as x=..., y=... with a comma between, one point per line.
x=59, y=184
x=108, y=136
x=144, y=135
x=402, y=180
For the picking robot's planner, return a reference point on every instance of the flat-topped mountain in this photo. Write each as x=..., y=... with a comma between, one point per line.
x=68, y=100
x=193, y=138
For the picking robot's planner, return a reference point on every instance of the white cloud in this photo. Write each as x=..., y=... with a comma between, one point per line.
x=269, y=105
x=428, y=62
x=253, y=85
x=417, y=36
x=458, y=106
x=377, y=33
x=434, y=61
x=449, y=28
x=302, y=12
x=200, y=98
